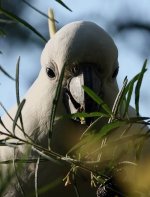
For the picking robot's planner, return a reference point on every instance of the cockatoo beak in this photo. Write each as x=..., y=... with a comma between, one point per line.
x=76, y=100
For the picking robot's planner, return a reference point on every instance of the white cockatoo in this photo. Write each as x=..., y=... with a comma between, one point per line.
x=90, y=57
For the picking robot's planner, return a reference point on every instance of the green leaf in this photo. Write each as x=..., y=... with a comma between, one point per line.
x=105, y=130
x=5, y=73
x=22, y=22
x=118, y=101
x=97, y=99
x=18, y=114
x=63, y=4
x=128, y=92
x=87, y=115
x=138, y=86
x=18, y=93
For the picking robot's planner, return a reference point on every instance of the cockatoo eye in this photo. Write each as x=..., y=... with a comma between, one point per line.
x=115, y=73
x=76, y=70
x=50, y=72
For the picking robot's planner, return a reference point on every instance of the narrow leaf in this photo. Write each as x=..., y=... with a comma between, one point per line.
x=97, y=99
x=118, y=100
x=138, y=86
x=22, y=22
x=128, y=92
x=63, y=4
x=6, y=73
x=17, y=81
x=18, y=93
x=18, y=114
x=109, y=127
x=87, y=115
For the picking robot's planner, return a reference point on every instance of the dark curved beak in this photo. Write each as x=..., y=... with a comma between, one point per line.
x=76, y=100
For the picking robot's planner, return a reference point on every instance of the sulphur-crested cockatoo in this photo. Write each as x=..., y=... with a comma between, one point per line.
x=91, y=58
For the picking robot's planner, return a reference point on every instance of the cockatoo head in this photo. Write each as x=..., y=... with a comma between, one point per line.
x=90, y=58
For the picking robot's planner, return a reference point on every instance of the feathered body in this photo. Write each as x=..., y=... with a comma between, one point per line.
x=77, y=44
